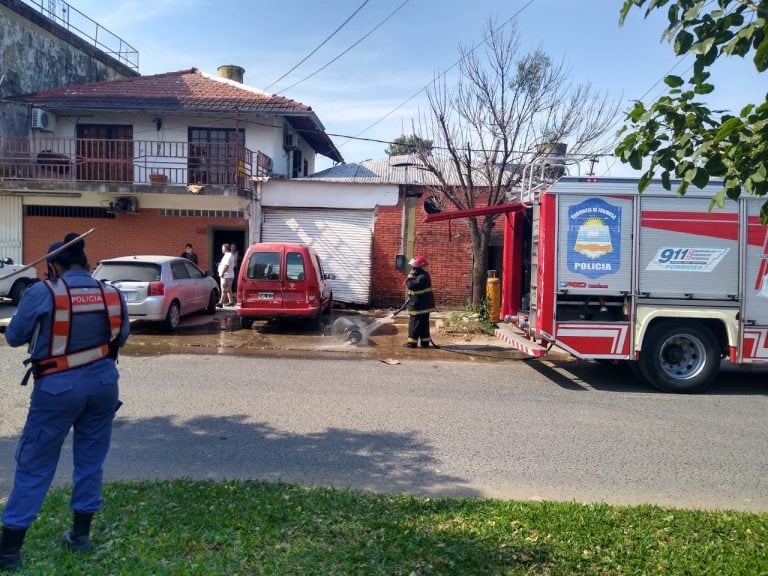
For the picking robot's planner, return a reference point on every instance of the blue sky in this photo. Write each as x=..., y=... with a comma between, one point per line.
x=403, y=55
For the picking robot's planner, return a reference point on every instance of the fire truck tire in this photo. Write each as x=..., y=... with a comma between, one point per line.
x=638, y=372
x=680, y=357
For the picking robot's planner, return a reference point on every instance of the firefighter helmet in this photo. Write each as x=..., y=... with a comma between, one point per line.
x=418, y=262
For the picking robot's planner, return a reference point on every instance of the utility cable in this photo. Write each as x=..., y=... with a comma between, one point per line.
x=319, y=46
x=395, y=11
x=484, y=40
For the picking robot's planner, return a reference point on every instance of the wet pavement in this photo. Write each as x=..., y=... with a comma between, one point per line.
x=380, y=337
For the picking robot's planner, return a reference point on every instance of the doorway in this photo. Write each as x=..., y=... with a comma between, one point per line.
x=229, y=236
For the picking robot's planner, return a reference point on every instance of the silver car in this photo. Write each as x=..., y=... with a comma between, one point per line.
x=162, y=288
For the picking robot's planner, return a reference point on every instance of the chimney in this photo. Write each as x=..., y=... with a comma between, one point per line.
x=231, y=72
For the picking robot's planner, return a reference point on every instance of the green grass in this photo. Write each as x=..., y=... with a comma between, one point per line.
x=246, y=528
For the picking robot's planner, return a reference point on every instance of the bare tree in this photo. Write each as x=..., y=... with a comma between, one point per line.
x=503, y=110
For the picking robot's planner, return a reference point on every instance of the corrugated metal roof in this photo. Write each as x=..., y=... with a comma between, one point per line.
x=389, y=170
x=408, y=170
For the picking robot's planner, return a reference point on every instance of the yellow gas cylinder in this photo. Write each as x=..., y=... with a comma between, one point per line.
x=493, y=294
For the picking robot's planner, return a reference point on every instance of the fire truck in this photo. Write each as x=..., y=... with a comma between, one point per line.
x=654, y=279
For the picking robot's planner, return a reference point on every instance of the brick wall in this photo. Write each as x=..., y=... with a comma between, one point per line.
x=450, y=259
x=146, y=233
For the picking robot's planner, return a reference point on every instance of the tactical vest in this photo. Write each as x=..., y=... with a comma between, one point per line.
x=66, y=303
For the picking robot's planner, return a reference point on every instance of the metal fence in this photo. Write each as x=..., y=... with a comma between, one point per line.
x=89, y=30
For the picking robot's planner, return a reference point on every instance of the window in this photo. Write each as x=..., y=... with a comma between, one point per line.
x=264, y=266
x=294, y=266
x=127, y=272
x=214, y=155
x=295, y=164
x=178, y=270
x=192, y=270
x=105, y=152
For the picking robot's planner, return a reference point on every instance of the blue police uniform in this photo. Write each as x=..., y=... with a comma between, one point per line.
x=84, y=398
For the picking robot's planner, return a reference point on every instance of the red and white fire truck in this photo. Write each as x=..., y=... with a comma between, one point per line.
x=656, y=279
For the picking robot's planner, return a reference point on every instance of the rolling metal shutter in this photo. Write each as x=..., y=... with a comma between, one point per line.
x=10, y=228
x=342, y=239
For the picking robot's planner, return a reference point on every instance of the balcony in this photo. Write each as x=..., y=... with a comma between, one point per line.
x=140, y=162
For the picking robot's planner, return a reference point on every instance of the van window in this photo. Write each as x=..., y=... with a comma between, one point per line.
x=264, y=266
x=294, y=266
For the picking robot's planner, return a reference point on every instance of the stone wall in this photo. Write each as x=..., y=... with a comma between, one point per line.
x=37, y=54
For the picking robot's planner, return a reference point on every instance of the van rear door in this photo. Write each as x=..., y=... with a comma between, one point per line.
x=261, y=286
x=298, y=274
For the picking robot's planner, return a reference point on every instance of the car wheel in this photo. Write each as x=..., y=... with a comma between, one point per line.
x=246, y=323
x=680, y=357
x=17, y=291
x=212, y=301
x=173, y=317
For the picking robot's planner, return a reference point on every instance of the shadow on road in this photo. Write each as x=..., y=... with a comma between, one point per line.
x=585, y=376
x=232, y=447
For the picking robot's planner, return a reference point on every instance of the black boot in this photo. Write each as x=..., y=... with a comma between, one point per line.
x=78, y=539
x=10, y=548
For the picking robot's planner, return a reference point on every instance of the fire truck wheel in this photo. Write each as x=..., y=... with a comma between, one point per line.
x=680, y=357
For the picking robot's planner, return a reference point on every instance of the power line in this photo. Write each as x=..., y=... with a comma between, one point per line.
x=395, y=11
x=484, y=40
x=319, y=46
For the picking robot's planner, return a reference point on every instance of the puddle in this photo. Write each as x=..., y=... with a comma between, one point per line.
x=382, y=338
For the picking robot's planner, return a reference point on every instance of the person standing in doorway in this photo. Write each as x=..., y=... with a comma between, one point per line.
x=189, y=254
x=421, y=301
x=226, y=274
x=74, y=326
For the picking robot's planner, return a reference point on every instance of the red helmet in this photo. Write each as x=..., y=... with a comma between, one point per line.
x=418, y=262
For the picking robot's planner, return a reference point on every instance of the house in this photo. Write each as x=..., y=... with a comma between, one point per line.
x=154, y=162
x=44, y=46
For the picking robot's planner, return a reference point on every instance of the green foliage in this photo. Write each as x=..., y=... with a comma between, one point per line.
x=684, y=138
x=409, y=145
x=470, y=322
x=245, y=527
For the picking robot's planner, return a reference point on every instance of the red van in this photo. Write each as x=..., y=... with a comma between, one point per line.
x=279, y=280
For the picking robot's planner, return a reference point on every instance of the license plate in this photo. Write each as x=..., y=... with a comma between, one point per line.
x=266, y=295
x=129, y=296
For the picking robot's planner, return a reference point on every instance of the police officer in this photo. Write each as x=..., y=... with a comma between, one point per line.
x=421, y=301
x=73, y=325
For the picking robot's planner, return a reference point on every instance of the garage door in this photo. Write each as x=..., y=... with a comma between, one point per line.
x=10, y=228
x=342, y=238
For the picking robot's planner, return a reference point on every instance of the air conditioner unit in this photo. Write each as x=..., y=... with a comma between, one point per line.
x=125, y=205
x=43, y=120
x=290, y=142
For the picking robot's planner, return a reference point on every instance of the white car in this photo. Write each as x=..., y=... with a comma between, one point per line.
x=161, y=288
x=13, y=284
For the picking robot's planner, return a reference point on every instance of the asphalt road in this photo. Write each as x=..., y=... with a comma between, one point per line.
x=512, y=429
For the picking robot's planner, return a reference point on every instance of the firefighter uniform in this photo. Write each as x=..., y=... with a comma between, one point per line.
x=73, y=326
x=421, y=302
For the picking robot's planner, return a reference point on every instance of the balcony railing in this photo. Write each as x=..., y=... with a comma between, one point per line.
x=131, y=161
x=89, y=30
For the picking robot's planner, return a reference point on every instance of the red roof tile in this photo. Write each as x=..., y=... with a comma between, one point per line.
x=186, y=90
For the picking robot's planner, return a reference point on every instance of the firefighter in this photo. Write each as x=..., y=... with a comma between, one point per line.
x=420, y=302
x=74, y=326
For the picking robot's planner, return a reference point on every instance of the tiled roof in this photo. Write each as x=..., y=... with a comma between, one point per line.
x=186, y=90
